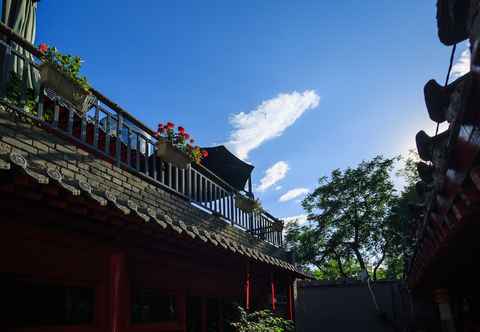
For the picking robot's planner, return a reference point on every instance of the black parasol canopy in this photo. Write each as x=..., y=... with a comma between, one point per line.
x=227, y=166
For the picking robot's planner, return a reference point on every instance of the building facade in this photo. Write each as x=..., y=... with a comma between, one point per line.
x=97, y=233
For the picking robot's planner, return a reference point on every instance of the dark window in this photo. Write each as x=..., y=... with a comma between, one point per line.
x=153, y=306
x=25, y=303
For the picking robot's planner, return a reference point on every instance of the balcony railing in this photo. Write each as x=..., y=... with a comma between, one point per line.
x=115, y=135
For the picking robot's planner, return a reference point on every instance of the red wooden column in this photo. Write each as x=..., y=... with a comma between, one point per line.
x=118, y=293
x=274, y=294
x=290, y=300
x=247, y=288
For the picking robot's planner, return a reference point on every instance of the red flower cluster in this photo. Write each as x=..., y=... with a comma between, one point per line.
x=181, y=140
x=43, y=48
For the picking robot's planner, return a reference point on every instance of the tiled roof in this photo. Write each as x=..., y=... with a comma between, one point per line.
x=16, y=162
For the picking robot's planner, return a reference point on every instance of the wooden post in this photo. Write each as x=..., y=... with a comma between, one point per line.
x=118, y=292
x=441, y=298
x=274, y=295
x=290, y=300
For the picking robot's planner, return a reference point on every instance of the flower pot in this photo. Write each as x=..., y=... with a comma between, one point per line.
x=246, y=204
x=277, y=226
x=167, y=152
x=54, y=79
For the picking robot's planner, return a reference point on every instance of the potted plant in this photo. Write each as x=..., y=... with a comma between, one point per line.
x=277, y=226
x=61, y=73
x=176, y=146
x=247, y=204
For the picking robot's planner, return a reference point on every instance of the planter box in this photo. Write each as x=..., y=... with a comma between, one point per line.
x=167, y=152
x=54, y=79
x=277, y=226
x=245, y=204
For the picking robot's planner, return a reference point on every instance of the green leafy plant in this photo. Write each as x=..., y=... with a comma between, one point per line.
x=68, y=64
x=181, y=140
x=261, y=321
x=14, y=93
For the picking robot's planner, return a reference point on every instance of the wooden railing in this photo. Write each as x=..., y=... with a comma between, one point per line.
x=113, y=134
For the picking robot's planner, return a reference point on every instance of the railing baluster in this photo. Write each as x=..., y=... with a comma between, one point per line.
x=146, y=156
x=118, y=142
x=189, y=184
x=194, y=187
x=176, y=179
x=137, y=155
x=200, y=189
x=56, y=115
x=222, y=192
x=170, y=175
x=95, y=131
x=41, y=100
x=162, y=171
x=107, y=133
x=83, y=128
x=183, y=181
x=129, y=146
x=154, y=161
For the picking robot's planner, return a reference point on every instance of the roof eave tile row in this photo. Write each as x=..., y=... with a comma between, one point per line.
x=44, y=175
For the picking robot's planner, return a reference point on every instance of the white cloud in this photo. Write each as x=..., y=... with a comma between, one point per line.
x=268, y=120
x=272, y=175
x=293, y=193
x=300, y=219
x=462, y=66
x=277, y=188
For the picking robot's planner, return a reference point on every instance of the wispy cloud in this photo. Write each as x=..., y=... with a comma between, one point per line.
x=300, y=219
x=462, y=65
x=268, y=120
x=272, y=175
x=277, y=188
x=292, y=194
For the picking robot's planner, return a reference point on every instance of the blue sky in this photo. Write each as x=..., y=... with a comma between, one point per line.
x=335, y=81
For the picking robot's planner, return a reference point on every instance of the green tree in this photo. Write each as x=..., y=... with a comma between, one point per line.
x=357, y=222
x=349, y=228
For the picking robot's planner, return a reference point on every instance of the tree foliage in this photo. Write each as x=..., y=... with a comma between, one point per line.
x=355, y=222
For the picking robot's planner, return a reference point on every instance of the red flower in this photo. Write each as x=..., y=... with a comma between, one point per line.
x=187, y=136
x=205, y=153
x=43, y=47
x=181, y=130
x=170, y=125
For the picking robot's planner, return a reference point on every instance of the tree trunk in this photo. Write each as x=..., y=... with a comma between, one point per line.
x=340, y=266
x=378, y=265
x=359, y=257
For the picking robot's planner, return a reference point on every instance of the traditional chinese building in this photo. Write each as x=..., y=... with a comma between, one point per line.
x=443, y=271
x=98, y=233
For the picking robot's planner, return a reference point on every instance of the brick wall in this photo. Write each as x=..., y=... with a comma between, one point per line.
x=52, y=150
